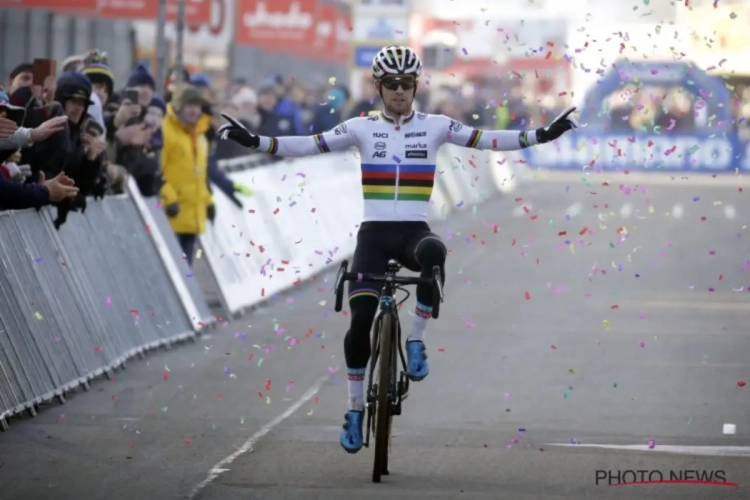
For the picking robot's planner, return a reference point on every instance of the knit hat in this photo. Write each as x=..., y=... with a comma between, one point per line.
x=73, y=86
x=21, y=68
x=245, y=96
x=141, y=76
x=200, y=80
x=157, y=102
x=96, y=68
x=186, y=94
x=74, y=62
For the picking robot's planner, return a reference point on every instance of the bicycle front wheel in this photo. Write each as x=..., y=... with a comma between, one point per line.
x=386, y=338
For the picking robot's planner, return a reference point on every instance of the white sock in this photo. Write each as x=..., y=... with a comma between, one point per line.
x=356, y=386
x=419, y=323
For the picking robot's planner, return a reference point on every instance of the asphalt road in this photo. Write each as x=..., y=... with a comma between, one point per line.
x=576, y=312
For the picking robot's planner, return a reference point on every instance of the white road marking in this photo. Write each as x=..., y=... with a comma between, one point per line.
x=678, y=210
x=222, y=465
x=730, y=212
x=714, y=451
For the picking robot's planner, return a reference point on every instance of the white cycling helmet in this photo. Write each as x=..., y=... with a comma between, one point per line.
x=396, y=60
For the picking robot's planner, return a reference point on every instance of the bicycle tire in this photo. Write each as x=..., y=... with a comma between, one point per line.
x=383, y=404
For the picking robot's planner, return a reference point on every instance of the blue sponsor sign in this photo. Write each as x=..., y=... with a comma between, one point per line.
x=607, y=141
x=363, y=55
x=597, y=151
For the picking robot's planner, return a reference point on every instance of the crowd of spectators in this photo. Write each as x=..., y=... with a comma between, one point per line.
x=68, y=138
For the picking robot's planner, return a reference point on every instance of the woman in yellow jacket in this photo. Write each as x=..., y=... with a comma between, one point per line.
x=185, y=195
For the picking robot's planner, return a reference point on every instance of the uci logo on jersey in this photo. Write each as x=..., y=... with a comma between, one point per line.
x=380, y=135
x=379, y=154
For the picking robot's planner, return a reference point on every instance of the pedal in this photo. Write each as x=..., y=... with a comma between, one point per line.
x=403, y=387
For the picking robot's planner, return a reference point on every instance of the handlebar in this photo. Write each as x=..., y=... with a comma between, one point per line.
x=385, y=278
x=435, y=282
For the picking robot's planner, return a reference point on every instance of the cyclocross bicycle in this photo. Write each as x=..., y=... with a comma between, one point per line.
x=385, y=396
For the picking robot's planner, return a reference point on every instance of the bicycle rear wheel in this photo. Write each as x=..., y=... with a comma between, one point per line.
x=383, y=414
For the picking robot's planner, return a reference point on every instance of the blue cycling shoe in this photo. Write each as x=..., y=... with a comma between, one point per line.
x=417, y=367
x=351, y=436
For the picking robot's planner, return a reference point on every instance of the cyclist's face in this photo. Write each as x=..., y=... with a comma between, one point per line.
x=398, y=94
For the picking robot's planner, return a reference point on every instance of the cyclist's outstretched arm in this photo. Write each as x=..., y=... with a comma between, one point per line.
x=506, y=140
x=340, y=138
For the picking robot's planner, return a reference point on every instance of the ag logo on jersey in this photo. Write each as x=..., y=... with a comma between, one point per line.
x=341, y=129
x=380, y=146
x=455, y=126
x=379, y=154
x=373, y=118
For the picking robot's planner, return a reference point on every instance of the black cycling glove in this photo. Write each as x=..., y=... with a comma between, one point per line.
x=558, y=127
x=238, y=133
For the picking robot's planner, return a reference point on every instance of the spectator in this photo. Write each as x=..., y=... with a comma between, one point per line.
x=142, y=80
x=96, y=68
x=20, y=196
x=138, y=137
x=185, y=195
x=228, y=149
x=287, y=113
x=13, y=137
x=21, y=76
x=247, y=101
x=271, y=125
x=329, y=114
x=15, y=196
x=81, y=152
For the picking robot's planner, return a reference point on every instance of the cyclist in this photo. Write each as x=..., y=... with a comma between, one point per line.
x=398, y=148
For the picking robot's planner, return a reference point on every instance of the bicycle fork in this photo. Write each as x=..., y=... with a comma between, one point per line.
x=400, y=389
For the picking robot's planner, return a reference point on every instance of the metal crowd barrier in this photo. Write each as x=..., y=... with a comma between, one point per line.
x=77, y=303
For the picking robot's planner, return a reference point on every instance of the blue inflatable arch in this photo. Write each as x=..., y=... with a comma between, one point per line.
x=667, y=74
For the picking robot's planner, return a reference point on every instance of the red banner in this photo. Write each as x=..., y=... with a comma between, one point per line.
x=51, y=4
x=197, y=12
x=279, y=26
